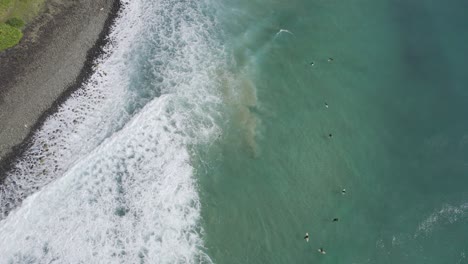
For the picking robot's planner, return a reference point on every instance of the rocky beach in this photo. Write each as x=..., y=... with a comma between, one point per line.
x=53, y=59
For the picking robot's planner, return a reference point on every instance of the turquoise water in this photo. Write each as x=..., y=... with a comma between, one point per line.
x=203, y=137
x=396, y=90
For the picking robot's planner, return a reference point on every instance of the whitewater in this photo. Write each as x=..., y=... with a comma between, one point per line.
x=109, y=178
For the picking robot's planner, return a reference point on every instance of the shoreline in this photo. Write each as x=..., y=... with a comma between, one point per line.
x=10, y=80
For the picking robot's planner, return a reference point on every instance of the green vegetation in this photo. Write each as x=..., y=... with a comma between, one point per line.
x=27, y=10
x=6, y=6
x=15, y=22
x=9, y=36
x=14, y=14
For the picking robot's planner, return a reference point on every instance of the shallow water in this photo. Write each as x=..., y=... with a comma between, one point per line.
x=203, y=137
x=396, y=115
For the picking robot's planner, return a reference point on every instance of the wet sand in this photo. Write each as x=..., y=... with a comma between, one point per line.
x=54, y=58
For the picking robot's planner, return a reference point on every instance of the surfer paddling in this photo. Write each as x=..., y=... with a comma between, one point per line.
x=306, y=237
x=321, y=250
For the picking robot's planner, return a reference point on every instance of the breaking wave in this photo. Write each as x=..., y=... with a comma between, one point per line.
x=109, y=176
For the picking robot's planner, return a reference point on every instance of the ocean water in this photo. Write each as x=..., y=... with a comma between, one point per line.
x=203, y=137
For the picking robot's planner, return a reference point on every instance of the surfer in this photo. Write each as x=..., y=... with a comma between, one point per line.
x=343, y=191
x=335, y=219
x=326, y=104
x=306, y=237
x=330, y=59
x=312, y=64
x=330, y=135
x=322, y=251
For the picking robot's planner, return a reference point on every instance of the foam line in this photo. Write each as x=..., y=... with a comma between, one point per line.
x=118, y=184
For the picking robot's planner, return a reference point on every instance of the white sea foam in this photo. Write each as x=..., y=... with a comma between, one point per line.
x=283, y=31
x=122, y=188
x=89, y=115
x=448, y=214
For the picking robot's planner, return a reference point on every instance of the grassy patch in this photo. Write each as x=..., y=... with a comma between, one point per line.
x=6, y=7
x=23, y=9
x=9, y=36
x=14, y=14
x=15, y=22
x=27, y=9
